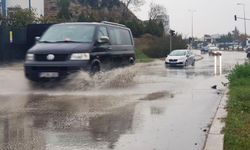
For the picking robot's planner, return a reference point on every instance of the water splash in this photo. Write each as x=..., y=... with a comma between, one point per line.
x=117, y=78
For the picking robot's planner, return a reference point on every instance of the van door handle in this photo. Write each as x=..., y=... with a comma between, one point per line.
x=109, y=48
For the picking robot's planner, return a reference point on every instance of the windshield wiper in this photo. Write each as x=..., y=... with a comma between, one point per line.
x=67, y=41
x=60, y=42
x=45, y=42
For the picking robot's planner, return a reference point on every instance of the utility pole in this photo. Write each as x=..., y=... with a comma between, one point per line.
x=30, y=5
x=192, y=26
x=170, y=43
x=4, y=11
x=245, y=20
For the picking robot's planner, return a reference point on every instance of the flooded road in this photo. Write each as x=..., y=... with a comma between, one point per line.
x=143, y=107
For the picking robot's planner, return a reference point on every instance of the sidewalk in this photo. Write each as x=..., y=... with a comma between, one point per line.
x=215, y=137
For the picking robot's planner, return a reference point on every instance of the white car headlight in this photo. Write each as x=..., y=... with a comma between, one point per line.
x=166, y=59
x=80, y=56
x=30, y=57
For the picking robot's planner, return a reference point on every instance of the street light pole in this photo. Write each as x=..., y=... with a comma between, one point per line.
x=245, y=20
x=30, y=5
x=192, y=26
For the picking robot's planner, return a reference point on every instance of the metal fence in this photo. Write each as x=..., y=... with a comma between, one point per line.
x=14, y=42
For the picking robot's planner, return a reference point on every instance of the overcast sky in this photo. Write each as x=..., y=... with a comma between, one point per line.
x=211, y=16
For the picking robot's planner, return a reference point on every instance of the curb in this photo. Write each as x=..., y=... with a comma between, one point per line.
x=215, y=137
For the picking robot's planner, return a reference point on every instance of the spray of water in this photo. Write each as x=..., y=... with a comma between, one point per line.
x=117, y=78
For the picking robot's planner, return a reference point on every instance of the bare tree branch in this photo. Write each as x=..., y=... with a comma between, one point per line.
x=132, y=4
x=156, y=11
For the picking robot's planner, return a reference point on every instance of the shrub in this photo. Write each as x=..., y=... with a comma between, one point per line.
x=21, y=18
x=239, y=75
x=159, y=47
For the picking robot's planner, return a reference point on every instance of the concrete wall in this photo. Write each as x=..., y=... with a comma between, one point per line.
x=37, y=5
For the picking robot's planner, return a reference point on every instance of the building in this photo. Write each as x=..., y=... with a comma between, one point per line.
x=211, y=38
x=10, y=5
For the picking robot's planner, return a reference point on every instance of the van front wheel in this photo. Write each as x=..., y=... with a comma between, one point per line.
x=248, y=55
x=95, y=69
x=131, y=61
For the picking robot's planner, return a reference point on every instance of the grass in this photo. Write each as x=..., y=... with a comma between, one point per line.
x=141, y=57
x=237, y=130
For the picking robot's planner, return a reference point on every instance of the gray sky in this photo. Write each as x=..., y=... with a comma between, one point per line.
x=211, y=16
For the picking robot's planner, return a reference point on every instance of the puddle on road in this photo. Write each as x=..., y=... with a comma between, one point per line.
x=65, y=122
x=85, y=122
x=157, y=95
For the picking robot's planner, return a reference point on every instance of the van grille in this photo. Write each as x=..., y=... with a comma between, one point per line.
x=58, y=57
x=50, y=69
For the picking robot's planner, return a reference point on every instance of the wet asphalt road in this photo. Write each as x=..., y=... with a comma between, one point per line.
x=144, y=107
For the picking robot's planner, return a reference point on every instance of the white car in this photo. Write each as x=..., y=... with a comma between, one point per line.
x=182, y=57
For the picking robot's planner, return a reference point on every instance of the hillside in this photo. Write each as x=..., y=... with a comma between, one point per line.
x=88, y=10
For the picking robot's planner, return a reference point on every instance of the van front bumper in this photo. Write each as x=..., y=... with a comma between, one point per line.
x=33, y=69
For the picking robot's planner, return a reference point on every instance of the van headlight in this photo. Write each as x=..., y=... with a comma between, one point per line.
x=80, y=56
x=30, y=57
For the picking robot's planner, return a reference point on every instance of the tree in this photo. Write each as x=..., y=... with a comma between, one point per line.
x=154, y=28
x=64, y=12
x=236, y=33
x=226, y=38
x=136, y=27
x=131, y=4
x=21, y=17
x=47, y=19
x=157, y=12
x=158, y=15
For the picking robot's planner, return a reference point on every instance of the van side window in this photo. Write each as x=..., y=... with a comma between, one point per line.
x=113, y=36
x=120, y=36
x=125, y=37
x=102, y=32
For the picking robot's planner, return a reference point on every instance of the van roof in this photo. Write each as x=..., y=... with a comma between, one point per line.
x=96, y=23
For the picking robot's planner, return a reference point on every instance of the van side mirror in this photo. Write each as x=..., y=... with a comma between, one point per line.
x=37, y=38
x=103, y=40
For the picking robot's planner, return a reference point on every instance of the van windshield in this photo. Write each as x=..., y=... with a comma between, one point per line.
x=69, y=33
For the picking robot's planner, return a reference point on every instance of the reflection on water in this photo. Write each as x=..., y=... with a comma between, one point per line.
x=62, y=122
x=155, y=110
x=218, y=65
x=17, y=134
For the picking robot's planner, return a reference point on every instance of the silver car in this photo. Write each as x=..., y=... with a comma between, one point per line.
x=182, y=57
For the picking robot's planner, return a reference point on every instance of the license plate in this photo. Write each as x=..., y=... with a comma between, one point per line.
x=49, y=74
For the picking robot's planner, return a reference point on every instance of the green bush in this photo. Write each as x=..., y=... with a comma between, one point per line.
x=64, y=12
x=154, y=28
x=136, y=27
x=21, y=18
x=159, y=47
x=237, y=130
x=240, y=75
x=141, y=57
